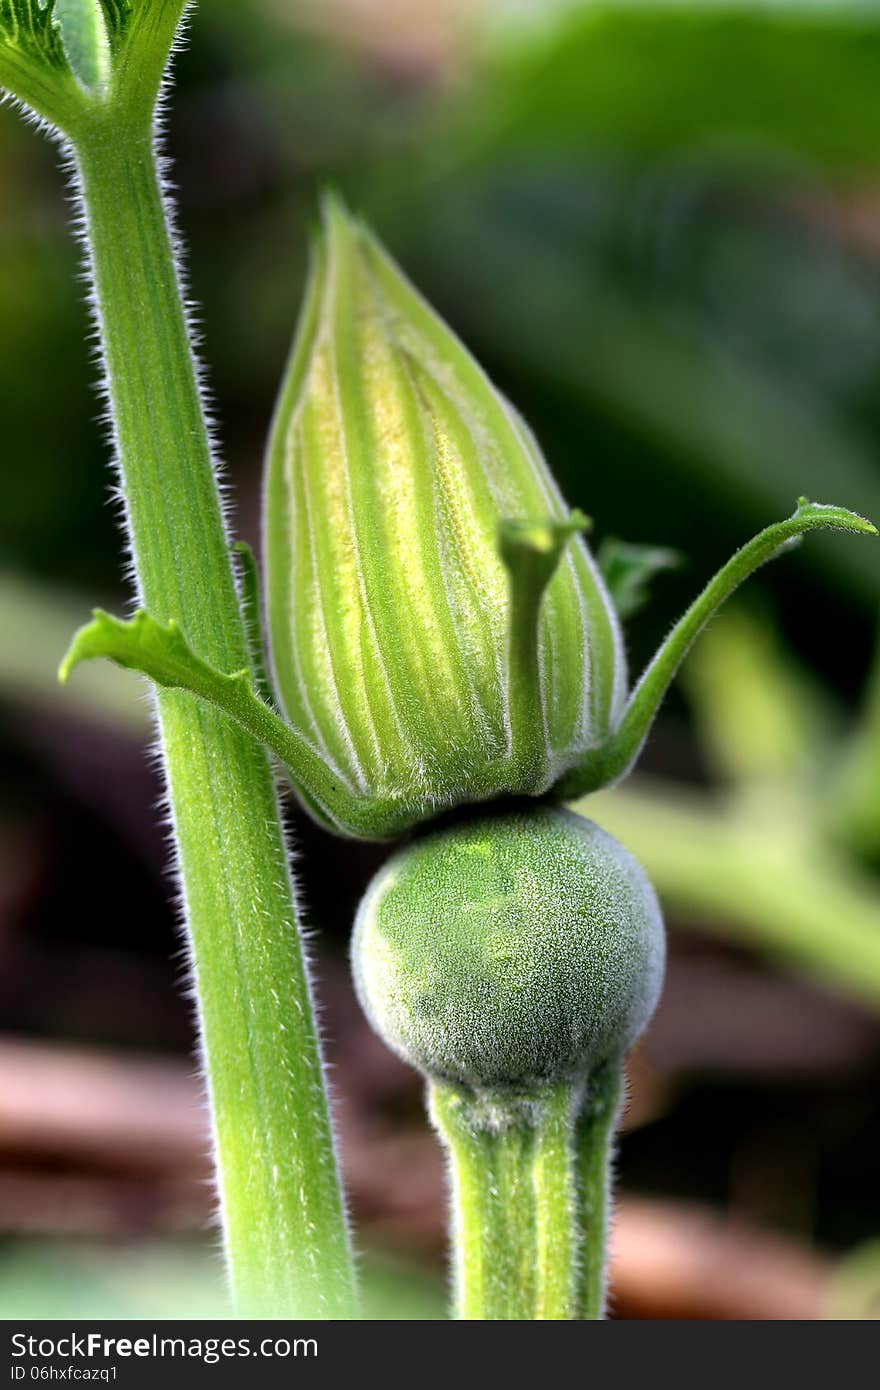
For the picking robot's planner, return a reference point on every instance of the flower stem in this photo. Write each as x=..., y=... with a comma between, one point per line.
x=515, y=1213
x=594, y=1138
x=284, y=1225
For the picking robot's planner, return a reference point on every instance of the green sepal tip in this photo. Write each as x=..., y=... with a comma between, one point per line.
x=531, y=551
x=140, y=643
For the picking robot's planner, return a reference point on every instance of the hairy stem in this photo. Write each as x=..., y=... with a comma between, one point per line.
x=284, y=1224
x=513, y=1176
x=594, y=1137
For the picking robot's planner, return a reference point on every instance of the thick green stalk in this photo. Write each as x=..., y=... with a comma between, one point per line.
x=284, y=1223
x=512, y=1170
x=554, y=1175
x=594, y=1138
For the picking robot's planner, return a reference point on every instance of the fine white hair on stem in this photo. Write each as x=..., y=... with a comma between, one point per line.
x=230, y=849
x=119, y=501
x=117, y=496
x=95, y=337
x=117, y=492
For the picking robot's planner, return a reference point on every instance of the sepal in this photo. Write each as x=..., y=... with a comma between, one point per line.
x=628, y=571
x=615, y=758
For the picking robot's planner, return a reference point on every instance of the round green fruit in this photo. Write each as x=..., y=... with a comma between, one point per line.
x=510, y=951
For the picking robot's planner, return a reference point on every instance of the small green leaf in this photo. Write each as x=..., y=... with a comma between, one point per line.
x=63, y=58
x=83, y=31
x=157, y=650
x=29, y=26
x=628, y=570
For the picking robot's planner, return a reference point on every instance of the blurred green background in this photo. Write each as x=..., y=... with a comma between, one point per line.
x=658, y=227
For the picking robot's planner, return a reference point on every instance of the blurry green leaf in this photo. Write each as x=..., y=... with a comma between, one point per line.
x=662, y=173
x=395, y=1290
x=628, y=570
x=852, y=806
x=84, y=1279
x=651, y=77
x=735, y=429
x=758, y=717
x=855, y=1285
x=758, y=878
x=35, y=627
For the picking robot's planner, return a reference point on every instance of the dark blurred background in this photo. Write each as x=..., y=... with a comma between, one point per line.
x=658, y=227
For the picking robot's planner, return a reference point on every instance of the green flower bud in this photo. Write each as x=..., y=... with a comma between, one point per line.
x=439, y=632
x=393, y=583
x=510, y=951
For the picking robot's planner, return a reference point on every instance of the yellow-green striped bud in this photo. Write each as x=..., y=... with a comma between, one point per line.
x=438, y=633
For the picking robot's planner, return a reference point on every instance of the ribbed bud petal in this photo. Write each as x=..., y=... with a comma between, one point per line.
x=392, y=466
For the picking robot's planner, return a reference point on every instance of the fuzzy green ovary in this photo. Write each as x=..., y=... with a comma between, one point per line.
x=510, y=952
